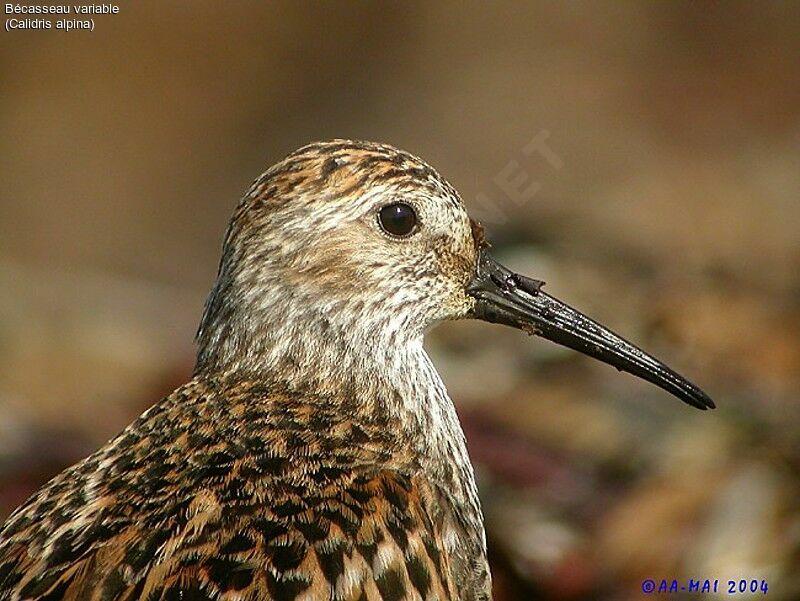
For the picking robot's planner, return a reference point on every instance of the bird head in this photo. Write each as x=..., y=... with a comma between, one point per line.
x=367, y=244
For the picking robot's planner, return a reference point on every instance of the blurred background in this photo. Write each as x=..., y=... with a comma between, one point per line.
x=641, y=157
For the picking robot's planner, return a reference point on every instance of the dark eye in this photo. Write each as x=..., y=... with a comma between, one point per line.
x=398, y=219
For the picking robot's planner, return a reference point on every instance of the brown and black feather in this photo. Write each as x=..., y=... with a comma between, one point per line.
x=315, y=455
x=237, y=490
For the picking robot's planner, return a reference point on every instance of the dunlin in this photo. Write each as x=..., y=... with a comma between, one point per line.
x=315, y=453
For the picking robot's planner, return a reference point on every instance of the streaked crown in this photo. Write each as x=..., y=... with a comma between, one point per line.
x=346, y=236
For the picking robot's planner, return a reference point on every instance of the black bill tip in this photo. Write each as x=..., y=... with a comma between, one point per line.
x=510, y=299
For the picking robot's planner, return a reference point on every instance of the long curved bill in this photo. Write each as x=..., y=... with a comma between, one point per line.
x=510, y=299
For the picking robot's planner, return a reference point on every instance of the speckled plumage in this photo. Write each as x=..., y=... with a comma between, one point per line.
x=237, y=490
x=315, y=454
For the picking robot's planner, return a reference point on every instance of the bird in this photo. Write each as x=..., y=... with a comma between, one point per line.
x=315, y=453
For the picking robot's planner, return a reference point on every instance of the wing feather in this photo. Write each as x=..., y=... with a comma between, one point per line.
x=241, y=494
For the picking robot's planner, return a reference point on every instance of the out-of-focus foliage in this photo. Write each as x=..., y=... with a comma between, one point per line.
x=669, y=209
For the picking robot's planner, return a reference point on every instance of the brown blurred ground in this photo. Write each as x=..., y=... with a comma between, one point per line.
x=674, y=217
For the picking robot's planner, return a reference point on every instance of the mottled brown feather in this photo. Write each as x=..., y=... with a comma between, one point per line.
x=315, y=454
x=233, y=491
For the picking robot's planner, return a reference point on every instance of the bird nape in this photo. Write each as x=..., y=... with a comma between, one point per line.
x=315, y=453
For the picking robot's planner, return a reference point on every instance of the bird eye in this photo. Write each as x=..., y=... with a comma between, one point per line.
x=398, y=219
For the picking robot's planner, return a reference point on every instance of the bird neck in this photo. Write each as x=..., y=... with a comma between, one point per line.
x=381, y=375
x=367, y=367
